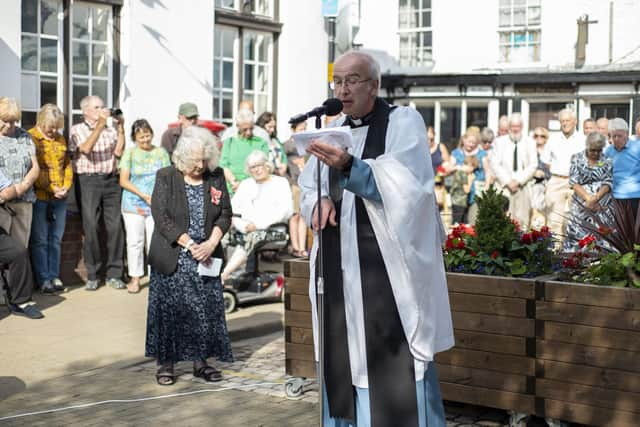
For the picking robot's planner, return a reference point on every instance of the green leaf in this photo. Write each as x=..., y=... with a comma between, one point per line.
x=619, y=283
x=636, y=283
x=628, y=259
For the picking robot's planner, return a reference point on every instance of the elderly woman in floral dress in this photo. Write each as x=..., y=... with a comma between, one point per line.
x=192, y=211
x=591, y=178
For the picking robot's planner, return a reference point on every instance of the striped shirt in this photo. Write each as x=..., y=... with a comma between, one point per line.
x=101, y=159
x=55, y=164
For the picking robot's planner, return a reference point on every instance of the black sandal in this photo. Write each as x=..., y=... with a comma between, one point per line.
x=208, y=373
x=165, y=376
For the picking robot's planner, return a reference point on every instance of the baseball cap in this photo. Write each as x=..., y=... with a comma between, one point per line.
x=188, y=109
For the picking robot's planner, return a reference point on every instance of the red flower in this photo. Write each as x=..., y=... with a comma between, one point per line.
x=586, y=240
x=516, y=224
x=215, y=195
x=449, y=244
x=527, y=238
x=440, y=169
x=494, y=254
x=460, y=244
x=473, y=254
x=544, y=230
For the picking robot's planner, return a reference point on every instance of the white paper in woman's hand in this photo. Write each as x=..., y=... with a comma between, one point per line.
x=210, y=267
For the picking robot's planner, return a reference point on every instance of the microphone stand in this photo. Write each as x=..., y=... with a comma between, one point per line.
x=320, y=288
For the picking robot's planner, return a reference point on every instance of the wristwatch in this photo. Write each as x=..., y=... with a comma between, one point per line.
x=188, y=245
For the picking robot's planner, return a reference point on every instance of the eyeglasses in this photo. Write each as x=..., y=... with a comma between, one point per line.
x=256, y=166
x=348, y=82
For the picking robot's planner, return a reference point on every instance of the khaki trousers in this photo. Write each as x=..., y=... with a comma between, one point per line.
x=520, y=205
x=18, y=226
x=557, y=200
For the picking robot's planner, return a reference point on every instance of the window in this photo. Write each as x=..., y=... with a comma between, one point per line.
x=224, y=58
x=254, y=58
x=610, y=111
x=256, y=72
x=91, y=41
x=519, y=30
x=477, y=116
x=255, y=7
x=415, y=32
x=545, y=114
x=41, y=59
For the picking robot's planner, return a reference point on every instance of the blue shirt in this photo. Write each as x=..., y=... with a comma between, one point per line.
x=626, y=169
x=361, y=181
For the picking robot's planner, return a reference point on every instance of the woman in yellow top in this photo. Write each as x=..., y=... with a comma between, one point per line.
x=52, y=188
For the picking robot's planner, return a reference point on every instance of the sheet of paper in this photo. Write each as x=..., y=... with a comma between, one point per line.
x=212, y=269
x=337, y=136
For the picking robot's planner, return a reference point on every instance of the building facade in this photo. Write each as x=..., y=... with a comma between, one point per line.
x=148, y=56
x=464, y=62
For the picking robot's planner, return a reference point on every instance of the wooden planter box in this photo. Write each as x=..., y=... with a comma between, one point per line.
x=299, y=360
x=588, y=354
x=493, y=361
x=554, y=349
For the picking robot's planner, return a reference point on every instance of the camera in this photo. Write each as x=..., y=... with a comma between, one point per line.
x=116, y=113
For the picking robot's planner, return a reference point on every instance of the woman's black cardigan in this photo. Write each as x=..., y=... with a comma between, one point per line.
x=170, y=212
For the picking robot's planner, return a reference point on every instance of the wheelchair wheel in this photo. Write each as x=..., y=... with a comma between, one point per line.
x=230, y=301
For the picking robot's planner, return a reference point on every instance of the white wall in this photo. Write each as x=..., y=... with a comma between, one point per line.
x=167, y=59
x=10, y=49
x=379, y=26
x=302, y=62
x=464, y=34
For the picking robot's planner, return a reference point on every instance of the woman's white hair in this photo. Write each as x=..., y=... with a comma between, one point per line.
x=257, y=156
x=192, y=140
x=595, y=141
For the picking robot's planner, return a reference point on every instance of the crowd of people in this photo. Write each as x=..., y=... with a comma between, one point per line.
x=173, y=204
x=114, y=184
x=568, y=182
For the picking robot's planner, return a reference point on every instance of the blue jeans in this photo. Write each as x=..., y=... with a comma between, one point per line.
x=46, y=238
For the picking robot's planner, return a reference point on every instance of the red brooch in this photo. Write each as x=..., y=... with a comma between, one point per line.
x=215, y=196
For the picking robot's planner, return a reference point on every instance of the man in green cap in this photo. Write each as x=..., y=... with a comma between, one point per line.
x=235, y=149
x=187, y=116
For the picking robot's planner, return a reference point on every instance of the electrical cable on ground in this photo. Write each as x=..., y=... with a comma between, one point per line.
x=142, y=399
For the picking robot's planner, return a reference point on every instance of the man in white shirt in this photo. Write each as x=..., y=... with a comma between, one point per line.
x=557, y=155
x=514, y=160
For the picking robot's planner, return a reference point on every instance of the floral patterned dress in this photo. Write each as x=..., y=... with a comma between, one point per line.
x=591, y=178
x=185, y=318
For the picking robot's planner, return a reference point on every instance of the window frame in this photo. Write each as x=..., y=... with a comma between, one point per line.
x=90, y=42
x=218, y=89
x=38, y=74
x=532, y=45
x=256, y=63
x=415, y=54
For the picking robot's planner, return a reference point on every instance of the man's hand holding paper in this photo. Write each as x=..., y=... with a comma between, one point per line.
x=336, y=157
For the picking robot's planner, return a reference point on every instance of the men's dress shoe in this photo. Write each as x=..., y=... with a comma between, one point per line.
x=116, y=283
x=91, y=285
x=30, y=311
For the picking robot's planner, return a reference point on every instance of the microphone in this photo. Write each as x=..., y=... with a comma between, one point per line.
x=330, y=107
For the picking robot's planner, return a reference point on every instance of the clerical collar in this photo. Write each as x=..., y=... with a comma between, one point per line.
x=364, y=121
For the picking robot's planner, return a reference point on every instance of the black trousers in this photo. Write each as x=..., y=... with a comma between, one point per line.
x=20, y=277
x=100, y=197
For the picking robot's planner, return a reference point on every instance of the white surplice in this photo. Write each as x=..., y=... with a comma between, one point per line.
x=409, y=233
